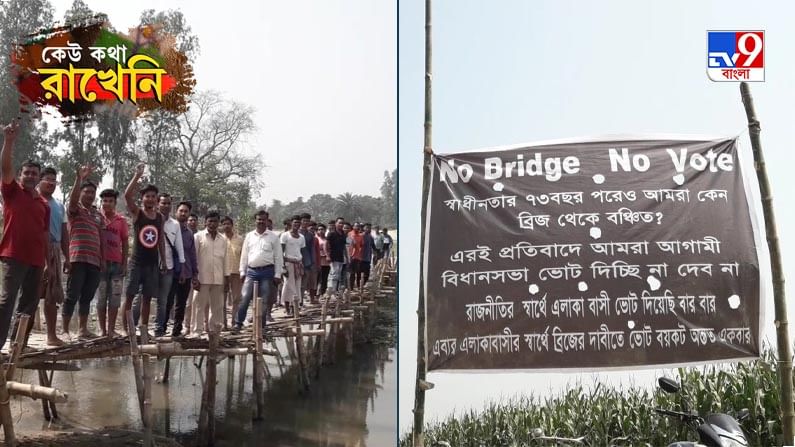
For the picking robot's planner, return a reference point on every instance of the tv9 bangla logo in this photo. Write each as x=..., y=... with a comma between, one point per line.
x=734, y=56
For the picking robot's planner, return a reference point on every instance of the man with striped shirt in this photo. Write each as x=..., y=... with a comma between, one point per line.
x=86, y=251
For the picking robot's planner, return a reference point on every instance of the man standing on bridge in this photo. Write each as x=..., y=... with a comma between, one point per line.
x=26, y=229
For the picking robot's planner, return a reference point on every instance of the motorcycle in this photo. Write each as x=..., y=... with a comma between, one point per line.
x=714, y=430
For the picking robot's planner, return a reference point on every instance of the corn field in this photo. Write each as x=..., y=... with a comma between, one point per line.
x=602, y=414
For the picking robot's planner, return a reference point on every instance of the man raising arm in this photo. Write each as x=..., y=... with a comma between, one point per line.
x=23, y=248
x=148, y=247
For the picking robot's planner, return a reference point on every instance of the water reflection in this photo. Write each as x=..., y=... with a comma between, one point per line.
x=352, y=403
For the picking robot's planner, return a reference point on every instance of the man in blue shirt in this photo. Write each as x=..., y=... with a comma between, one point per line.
x=181, y=288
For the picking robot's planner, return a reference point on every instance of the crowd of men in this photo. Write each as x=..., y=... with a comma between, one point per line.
x=201, y=281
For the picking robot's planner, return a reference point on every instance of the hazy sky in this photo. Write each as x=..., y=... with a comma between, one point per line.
x=517, y=71
x=321, y=75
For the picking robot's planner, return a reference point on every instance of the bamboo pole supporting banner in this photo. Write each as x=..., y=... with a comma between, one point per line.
x=779, y=298
x=418, y=436
x=136, y=362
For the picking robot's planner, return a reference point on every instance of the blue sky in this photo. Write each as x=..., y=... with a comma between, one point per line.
x=518, y=71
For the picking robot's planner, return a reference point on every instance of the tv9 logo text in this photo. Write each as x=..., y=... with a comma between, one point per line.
x=734, y=56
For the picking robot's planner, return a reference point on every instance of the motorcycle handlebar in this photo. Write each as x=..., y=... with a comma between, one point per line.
x=679, y=414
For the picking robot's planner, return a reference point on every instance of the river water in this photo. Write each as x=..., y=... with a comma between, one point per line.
x=352, y=403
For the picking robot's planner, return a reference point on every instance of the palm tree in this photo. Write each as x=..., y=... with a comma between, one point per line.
x=348, y=206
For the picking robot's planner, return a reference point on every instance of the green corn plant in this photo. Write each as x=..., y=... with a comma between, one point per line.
x=602, y=413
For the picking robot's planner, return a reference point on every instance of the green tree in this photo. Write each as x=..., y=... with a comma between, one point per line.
x=174, y=23
x=388, y=215
x=212, y=167
x=319, y=206
x=82, y=149
x=79, y=14
x=115, y=138
x=347, y=206
x=82, y=144
x=19, y=18
x=154, y=132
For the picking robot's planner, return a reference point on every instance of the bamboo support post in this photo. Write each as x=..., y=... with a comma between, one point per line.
x=18, y=345
x=303, y=375
x=265, y=369
x=166, y=370
x=48, y=406
x=259, y=396
x=207, y=413
x=136, y=362
x=349, y=339
x=5, y=411
x=779, y=297
x=320, y=346
x=371, y=320
x=147, y=379
x=279, y=358
x=335, y=327
x=45, y=405
x=241, y=379
x=290, y=343
x=53, y=409
x=230, y=385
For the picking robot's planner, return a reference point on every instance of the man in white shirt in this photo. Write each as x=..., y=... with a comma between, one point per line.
x=292, y=243
x=260, y=261
x=213, y=271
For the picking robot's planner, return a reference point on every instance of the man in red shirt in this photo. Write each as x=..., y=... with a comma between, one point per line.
x=355, y=251
x=115, y=235
x=23, y=248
